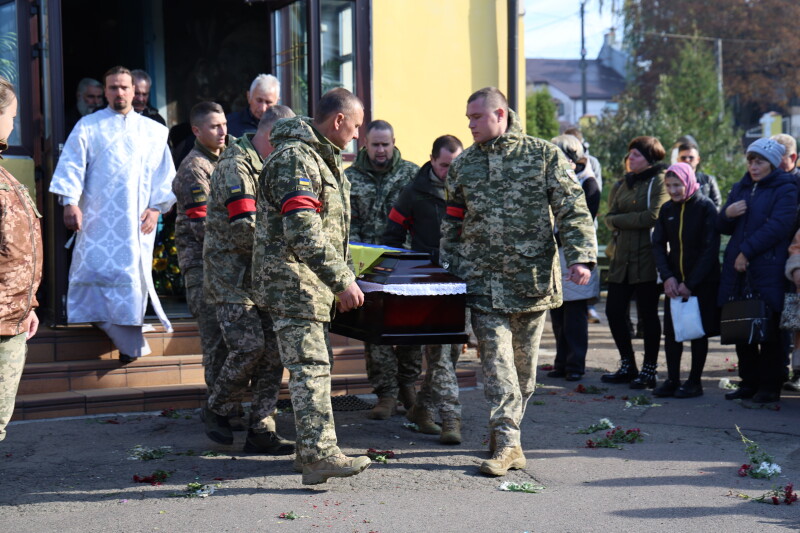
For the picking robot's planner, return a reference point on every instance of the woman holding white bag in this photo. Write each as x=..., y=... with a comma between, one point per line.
x=689, y=267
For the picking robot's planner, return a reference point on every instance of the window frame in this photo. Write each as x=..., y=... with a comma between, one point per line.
x=24, y=85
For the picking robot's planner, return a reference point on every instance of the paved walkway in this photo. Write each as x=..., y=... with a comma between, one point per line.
x=76, y=475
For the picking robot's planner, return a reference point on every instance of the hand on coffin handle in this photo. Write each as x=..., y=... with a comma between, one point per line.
x=350, y=298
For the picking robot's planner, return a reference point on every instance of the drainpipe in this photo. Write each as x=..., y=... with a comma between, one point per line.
x=513, y=53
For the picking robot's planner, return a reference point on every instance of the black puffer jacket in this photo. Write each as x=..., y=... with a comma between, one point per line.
x=419, y=210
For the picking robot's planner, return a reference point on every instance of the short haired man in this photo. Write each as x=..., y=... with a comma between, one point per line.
x=265, y=92
x=690, y=154
x=191, y=188
x=113, y=179
x=253, y=355
x=503, y=194
x=141, y=96
x=88, y=99
x=419, y=211
x=301, y=261
x=377, y=177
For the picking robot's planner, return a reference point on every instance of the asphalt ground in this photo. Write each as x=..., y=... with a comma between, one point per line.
x=76, y=475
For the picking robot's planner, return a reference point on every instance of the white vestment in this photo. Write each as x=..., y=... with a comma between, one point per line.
x=113, y=167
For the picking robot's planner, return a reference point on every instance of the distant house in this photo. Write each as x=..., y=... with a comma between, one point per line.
x=605, y=79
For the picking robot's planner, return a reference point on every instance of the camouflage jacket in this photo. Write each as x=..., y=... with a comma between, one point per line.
x=191, y=186
x=300, y=250
x=373, y=194
x=503, y=198
x=231, y=219
x=20, y=255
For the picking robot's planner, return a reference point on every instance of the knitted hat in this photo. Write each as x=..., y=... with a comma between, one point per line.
x=770, y=150
x=685, y=173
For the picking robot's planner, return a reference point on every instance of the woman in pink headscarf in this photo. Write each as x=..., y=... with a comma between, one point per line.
x=689, y=266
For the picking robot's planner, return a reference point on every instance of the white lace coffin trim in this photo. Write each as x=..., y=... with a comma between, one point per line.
x=415, y=289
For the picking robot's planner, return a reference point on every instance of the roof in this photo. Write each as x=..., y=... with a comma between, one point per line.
x=602, y=83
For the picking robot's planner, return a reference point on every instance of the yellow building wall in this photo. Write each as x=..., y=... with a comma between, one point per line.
x=428, y=57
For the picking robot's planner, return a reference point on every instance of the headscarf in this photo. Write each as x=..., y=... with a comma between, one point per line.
x=685, y=173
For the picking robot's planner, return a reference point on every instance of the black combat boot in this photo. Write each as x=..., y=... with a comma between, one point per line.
x=627, y=372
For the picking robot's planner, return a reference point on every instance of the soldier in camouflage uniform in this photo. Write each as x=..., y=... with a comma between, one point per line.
x=504, y=193
x=301, y=261
x=20, y=268
x=191, y=187
x=377, y=178
x=252, y=348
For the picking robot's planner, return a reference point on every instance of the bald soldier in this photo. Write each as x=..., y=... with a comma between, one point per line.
x=504, y=192
x=301, y=262
x=377, y=178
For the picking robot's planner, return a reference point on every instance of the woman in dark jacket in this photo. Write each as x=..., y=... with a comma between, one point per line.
x=631, y=216
x=686, y=250
x=759, y=216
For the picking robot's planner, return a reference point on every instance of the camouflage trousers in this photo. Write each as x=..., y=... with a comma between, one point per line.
x=439, y=390
x=509, y=350
x=303, y=346
x=390, y=366
x=13, y=350
x=253, y=358
x=211, y=341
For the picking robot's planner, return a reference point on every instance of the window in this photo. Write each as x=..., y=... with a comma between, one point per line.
x=290, y=57
x=9, y=59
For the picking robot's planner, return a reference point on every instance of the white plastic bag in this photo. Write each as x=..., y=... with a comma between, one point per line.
x=686, y=319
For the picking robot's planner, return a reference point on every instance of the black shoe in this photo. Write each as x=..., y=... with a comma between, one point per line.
x=646, y=378
x=268, y=442
x=627, y=372
x=742, y=393
x=573, y=376
x=125, y=358
x=556, y=374
x=767, y=397
x=666, y=389
x=689, y=390
x=217, y=427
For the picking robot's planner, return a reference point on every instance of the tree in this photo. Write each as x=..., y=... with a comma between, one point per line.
x=541, y=119
x=686, y=101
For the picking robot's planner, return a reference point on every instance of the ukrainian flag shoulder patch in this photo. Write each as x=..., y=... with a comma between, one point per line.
x=236, y=189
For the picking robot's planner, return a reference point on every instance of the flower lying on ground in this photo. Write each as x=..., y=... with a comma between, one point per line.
x=547, y=368
x=591, y=389
x=726, y=384
x=775, y=496
x=525, y=486
x=291, y=515
x=640, y=401
x=380, y=456
x=142, y=453
x=156, y=478
x=616, y=437
x=170, y=412
x=761, y=464
x=604, y=423
x=196, y=490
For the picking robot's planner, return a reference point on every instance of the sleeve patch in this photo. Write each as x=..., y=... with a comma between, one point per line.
x=198, y=194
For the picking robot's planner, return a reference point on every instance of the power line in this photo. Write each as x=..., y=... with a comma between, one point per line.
x=703, y=37
x=551, y=22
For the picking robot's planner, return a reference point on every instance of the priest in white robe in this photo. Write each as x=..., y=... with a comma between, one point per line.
x=114, y=178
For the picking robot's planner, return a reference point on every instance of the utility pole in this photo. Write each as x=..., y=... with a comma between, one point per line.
x=718, y=48
x=583, y=58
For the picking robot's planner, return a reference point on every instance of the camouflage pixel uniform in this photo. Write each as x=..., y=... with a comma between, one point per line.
x=300, y=261
x=191, y=188
x=248, y=331
x=373, y=193
x=497, y=234
x=20, y=274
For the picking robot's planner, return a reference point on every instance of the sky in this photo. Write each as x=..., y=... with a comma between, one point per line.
x=553, y=28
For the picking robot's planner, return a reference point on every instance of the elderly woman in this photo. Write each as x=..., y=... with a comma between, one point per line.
x=20, y=267
x=571, y=320
x=632, y=213
x=759, y=216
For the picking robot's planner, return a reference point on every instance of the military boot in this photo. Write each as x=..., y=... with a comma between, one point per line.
x=267, y=442
x=503, y=460
x=217, y=427
x=236, y=419
x=451, y=430
x=384, y=409
x=297, y=464
x=423, y=419
x=408, y=395
x=338, y=465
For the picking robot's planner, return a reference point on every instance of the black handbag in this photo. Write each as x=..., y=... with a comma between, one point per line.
x=745, y=316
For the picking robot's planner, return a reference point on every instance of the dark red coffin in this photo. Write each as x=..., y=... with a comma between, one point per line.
x=407, y=300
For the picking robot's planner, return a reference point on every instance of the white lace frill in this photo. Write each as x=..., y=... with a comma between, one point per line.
x=415, y=289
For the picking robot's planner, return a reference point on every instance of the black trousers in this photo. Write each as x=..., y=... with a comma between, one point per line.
x=763, y=366
x=617, y=306
x=571, y=329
